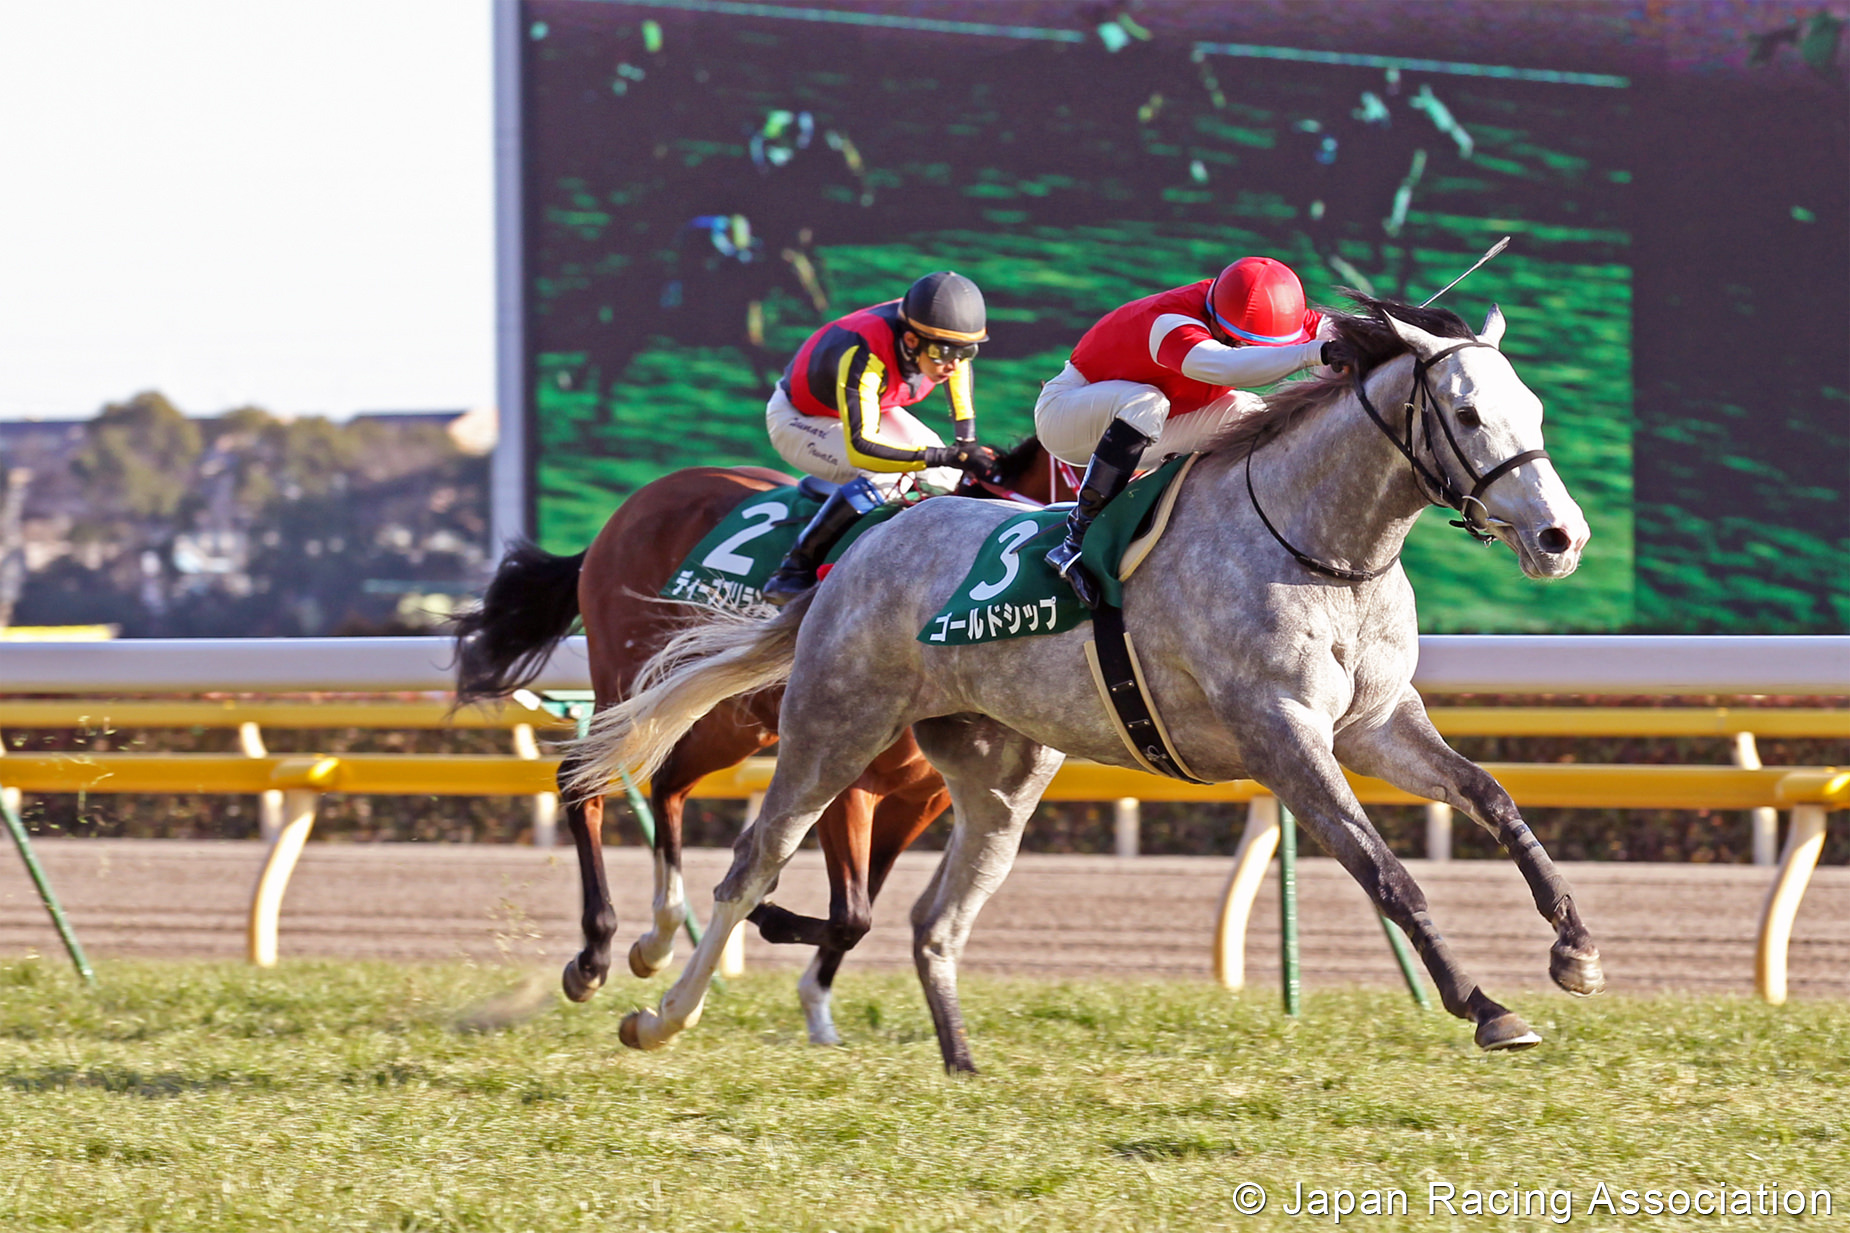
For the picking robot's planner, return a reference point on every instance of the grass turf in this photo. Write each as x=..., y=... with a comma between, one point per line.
x=344, y=1096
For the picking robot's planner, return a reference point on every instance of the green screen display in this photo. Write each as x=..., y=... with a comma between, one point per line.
x=705, y=183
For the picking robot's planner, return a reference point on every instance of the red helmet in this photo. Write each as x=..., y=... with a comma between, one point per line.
x=1260, y=301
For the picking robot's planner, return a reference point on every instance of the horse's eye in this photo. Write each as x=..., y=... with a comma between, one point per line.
x=1467, y=417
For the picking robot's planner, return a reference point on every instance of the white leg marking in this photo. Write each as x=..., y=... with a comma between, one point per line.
x=686, y=998
x=814, y=996
x=656, y=947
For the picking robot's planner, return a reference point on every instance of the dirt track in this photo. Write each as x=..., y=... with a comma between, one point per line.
x=1660, y=926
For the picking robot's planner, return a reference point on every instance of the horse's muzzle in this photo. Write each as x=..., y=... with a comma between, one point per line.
x=1552, y=552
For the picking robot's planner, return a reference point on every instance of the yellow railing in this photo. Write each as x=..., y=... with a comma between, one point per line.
x=1809, y=793
x=1450, y=720
x=290, y=786
x=251, y=717
x=526, y=722
x=1568, y=785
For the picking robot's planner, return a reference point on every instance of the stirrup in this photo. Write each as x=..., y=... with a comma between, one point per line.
x=1065, y=560
x=1063, y=555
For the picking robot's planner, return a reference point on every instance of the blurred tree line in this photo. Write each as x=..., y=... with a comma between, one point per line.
x=247, y=524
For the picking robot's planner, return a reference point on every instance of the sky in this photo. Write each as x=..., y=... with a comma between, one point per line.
x=286, y=204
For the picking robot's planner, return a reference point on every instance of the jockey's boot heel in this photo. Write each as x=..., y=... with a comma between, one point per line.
x=842, y=510
x=1114, y=461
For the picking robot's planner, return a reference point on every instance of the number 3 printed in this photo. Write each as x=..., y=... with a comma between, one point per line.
x=1012, y=540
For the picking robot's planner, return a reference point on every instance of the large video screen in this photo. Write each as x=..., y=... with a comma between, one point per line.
x=705, y=183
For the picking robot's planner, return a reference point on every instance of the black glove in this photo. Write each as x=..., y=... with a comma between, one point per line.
x=964, y=455
x=1336, y=354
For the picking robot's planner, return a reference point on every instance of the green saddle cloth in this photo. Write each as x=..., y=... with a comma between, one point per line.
x=1011, y=591
x=728, y=569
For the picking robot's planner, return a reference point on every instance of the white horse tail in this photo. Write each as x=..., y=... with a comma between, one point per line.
x=723, y=655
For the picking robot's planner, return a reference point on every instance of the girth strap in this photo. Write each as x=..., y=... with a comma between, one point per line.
x=1120, y=683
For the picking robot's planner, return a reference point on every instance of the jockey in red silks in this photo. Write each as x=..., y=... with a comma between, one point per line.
x=1170, y=374
x=839, y=411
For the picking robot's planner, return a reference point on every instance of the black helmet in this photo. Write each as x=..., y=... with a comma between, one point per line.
x=945, y=307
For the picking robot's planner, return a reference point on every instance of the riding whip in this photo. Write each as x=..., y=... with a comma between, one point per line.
x=1496, y=248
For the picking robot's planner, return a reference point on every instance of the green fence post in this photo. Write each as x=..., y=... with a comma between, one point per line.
x=63, y=926
x=1403, y=954
x=1288, y=907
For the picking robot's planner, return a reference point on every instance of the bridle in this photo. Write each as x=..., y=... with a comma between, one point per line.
x=1436, y=483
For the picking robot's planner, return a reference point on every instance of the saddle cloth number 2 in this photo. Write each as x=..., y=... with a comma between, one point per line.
x=725, y=557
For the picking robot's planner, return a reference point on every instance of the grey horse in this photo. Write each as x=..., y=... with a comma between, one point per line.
x=1274, y=625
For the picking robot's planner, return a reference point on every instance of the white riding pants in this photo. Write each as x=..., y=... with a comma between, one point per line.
x=814, y=445
x=1072, y=414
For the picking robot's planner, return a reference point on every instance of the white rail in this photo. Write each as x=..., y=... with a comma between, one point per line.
x=1449, y=663
x=252, y=665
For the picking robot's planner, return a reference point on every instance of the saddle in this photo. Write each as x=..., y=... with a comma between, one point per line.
x=728, y=568
x=1011, y=592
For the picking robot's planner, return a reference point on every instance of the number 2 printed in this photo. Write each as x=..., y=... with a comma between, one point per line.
x=723, y=557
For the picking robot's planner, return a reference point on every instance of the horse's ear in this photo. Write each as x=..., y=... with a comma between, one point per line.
x=1418, y=341
x=1492, y=333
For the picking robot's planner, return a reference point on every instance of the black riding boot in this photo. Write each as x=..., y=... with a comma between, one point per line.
x=842, y=510
x=1114, y=461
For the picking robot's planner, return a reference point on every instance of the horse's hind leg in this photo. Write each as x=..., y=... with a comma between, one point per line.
x=909, y=796
x=842, y=830
x=996, y=777
x=654, y=950
x=1409, y=753
x=717, y=741
x=819, y=759
x=586, y=972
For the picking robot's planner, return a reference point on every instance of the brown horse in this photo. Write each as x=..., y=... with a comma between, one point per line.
x=529, y=608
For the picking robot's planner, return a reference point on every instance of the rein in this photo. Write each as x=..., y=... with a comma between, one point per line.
x=1004, y=492
x=1436, y=485
x=1056, y=472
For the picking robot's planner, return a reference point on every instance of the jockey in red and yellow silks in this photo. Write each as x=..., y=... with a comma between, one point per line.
x=839, y=411
x=1170, y=374
x=851, y=370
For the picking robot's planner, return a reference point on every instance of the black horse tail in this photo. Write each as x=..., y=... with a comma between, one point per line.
x=503, y=643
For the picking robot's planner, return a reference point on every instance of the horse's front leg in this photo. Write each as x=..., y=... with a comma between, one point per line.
x=1288, y=749
x=586, y=972
x=1408, y=752
x=844, y=831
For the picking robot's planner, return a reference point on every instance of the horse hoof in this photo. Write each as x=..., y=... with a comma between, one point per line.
x=578, y=986
x=630, y=1031
x=1580, y=975
x=1506, y=1031
x=640, y=965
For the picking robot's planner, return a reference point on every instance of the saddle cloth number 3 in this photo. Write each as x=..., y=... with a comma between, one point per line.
x=1012, y=539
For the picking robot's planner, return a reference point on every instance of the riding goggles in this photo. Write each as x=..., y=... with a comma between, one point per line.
x=948, y=353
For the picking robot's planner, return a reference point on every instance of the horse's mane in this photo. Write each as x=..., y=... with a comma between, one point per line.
x=1369, y=342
